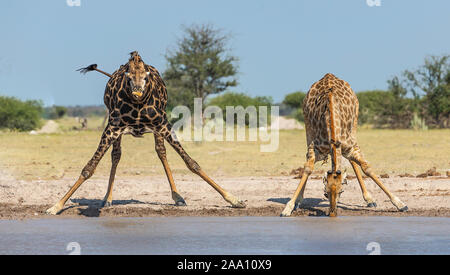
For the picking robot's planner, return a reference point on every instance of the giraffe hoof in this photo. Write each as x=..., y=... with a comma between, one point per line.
x=285, y=214
x=239, y=204
x=54, y=210
x=106, y=203
x=288, y=209
x=372, y=204
x=180, y=203
x=404, y=209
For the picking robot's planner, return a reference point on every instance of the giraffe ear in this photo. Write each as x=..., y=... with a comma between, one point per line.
x=127, y=74
x=148, y=73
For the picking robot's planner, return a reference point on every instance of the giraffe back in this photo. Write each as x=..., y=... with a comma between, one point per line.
x=318, y=123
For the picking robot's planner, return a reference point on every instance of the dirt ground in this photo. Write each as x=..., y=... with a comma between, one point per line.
x=265, y=196
x=37, y=170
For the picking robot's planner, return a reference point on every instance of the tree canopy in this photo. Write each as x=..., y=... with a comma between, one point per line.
x=430, y=85
x=200, y=65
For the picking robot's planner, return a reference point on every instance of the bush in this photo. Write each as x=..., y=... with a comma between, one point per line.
x=385, y=109
x=373, y=105
x=20, y=115
x=295, y=101
x=55, y=112
x=240, y=99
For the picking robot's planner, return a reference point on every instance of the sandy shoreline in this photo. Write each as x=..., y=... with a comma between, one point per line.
x=264, y=196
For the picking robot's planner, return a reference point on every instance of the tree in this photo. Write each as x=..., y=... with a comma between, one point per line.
x=200, y=66
x=430, y=86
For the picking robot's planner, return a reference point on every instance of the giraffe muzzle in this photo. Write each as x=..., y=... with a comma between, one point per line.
x=137, y=94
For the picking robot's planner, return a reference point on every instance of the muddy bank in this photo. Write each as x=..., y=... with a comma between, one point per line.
x=10, y=212
x=264, y=196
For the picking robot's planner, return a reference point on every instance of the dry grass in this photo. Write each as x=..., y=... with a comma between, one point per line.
x=52, y=156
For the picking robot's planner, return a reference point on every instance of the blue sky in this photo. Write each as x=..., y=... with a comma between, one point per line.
x=283, y=46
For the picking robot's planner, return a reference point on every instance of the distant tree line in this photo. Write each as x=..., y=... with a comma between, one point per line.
x=417, y=99
x=86, y=111
x=241, y=99
x=54, y=112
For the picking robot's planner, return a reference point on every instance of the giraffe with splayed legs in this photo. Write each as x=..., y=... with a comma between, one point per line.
x=136, y=99
x=331, y=116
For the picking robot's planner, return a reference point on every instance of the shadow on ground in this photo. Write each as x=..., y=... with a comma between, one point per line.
x=308, y=202
x=317, y=207
x=94, y=206
x=309, y=205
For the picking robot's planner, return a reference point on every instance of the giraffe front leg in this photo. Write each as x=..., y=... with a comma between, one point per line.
x=86, y=173
x=161, y=151
x=308, y=168
x=56, y=209
x=366, y=195
x=299, y=200
x=359, y=159
x=115, y=158
x=195, y=168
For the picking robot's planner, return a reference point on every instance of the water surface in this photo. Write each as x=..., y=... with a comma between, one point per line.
x=227, y=235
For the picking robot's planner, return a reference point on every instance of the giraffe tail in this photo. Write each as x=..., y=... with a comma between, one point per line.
x=92, y=67
x=333, y=141
x=88, y=69
x=330, y=109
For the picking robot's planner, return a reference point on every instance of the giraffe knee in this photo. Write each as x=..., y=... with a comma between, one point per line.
x=308, y=171
x=193, y=165
x=366, y=168
x=87, y=171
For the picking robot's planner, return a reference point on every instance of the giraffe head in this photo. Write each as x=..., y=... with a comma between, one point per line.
x=136, y=75
x=333, y=188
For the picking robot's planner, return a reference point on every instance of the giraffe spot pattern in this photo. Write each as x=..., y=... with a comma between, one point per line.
x=317, y=114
